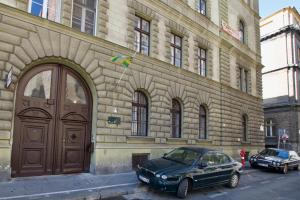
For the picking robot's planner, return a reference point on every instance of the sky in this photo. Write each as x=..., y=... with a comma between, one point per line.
x=267, y=7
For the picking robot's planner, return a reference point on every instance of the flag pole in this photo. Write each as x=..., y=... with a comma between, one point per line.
x=123, y=72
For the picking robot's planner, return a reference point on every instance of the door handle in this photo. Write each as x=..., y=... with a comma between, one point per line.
x=91, y=147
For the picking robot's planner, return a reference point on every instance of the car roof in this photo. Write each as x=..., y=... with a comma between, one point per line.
x=276, y=149
x=198, y=149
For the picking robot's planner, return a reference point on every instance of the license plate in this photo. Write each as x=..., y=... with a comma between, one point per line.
x=146, y=180
x=263, y=165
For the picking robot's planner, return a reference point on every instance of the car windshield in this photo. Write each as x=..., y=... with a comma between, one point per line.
x=273, y=152
x=184, y=156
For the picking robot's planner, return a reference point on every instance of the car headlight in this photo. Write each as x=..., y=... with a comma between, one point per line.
x=273, y=163
x=164, y=177
x=157, y=175
x=278, y=164
x=255, y=159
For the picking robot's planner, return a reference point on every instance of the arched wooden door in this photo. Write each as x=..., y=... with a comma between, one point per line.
x=52, y=132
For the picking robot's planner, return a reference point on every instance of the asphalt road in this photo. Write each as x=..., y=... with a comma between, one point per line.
x=257, y=185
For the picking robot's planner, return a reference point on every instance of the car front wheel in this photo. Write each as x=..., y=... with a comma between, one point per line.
x=183, y=188
x=285, y=169
x=234, y=180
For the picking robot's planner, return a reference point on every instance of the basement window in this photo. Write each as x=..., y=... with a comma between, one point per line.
x=139, y=159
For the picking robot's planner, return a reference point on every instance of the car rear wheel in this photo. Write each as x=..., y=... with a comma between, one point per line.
x=183, y=188
x=234, y=180
x=285, y=169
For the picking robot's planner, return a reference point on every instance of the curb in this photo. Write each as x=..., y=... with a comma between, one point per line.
x=95, y=193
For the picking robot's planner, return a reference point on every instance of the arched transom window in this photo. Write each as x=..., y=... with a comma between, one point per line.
x=139, y=124
x=176, y=119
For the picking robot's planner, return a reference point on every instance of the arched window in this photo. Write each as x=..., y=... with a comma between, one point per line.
x=139, y=124
x=242, y=31
x=176, y=119
x=202, y=123
x=245, y=127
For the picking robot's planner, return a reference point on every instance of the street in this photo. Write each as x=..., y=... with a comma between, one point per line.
x=257, y=185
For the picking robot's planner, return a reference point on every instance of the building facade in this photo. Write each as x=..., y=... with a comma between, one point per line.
x=195, y=79
x=280, y=46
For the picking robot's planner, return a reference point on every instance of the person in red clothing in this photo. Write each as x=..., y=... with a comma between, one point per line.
x=243, y=155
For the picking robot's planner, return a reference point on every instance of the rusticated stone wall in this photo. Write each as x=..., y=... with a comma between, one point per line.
x=26, y=41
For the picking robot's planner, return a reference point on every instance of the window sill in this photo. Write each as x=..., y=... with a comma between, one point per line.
x=245, y=142
x=203, y=141
x=177, y=140
x=140, y=139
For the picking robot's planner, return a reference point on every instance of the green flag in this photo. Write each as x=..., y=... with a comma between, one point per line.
x=125, y=61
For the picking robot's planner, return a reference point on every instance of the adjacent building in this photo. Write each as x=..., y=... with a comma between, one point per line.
x=195, y=79
x=280, y=46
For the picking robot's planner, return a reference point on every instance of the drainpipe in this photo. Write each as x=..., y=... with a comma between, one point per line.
x=221, y=100
x=292, y=47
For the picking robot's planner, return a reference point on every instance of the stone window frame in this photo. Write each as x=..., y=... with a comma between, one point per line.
x=175, y=47
x=245, y=127
x=174, y=28
x=84, y=8
x=58, y=10
x=101, y=18
x=204, y=44
x=142, y=32
x=138, y=9
x=200, y=58
x=244, y=66
x=205, y=108
x=208, y=8
x=172, y=111
x=240, y=19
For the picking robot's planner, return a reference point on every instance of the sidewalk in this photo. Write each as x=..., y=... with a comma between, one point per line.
x=75, y=186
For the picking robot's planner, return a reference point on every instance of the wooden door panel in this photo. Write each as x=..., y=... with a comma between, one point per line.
x=74, y=146
x=74, y=123
x=34, y=152
x=52, y=123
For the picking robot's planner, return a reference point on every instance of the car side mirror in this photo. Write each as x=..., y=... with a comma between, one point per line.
x=202, y=165
x=164, y=154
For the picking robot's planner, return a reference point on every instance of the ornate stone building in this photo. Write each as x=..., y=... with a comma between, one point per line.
x=195, y=80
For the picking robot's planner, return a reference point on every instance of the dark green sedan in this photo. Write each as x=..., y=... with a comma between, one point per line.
x=189, y=168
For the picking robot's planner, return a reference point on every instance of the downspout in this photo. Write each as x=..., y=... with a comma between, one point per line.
x=292, y=46
x=286, y=50
x=221, y=99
